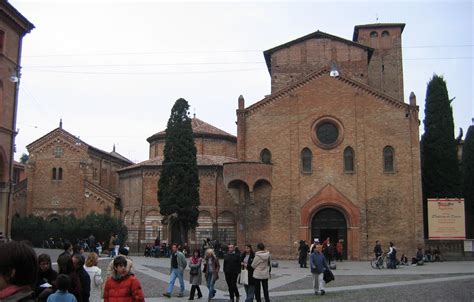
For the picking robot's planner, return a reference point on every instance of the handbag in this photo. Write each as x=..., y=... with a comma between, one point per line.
x=328, y=276
x=244, y=277
x=194, y=271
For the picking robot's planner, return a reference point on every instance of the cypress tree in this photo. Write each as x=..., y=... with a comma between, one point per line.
x=178, y=186
x=468, y=185
x=439, y=162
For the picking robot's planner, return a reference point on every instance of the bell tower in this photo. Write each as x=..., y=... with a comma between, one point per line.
x=385, y=66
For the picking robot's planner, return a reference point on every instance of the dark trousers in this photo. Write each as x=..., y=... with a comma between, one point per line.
x=231, y=279
x=193, y=290
x=339, y=256
x=302, y=260
x=264, y=284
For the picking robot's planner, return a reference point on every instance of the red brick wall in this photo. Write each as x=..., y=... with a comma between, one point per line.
x=369, y=125
x=292, y=63
x=206, y=146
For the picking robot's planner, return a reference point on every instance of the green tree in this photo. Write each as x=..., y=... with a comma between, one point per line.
x=439, y=162
x=468, y=185
x=24, y=158
x=178, y=186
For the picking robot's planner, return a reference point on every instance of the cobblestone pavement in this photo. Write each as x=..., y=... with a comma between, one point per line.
x=355, y=281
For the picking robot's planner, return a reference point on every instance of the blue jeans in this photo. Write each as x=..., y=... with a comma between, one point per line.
x=176, y=273
x=250, y=292
x=210, y=284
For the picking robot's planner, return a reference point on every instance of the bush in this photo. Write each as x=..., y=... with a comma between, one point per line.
x=68, y=228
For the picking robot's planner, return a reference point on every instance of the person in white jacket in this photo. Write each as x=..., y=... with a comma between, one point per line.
x=261, y=272
x=95, y=273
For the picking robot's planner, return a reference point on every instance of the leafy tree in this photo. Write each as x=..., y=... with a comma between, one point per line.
x=439, y=162
x=24, y=158
x=178, y=186
x=468, y=185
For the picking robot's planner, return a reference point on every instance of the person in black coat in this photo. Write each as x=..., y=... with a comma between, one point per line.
x=83, y=276
x=246, y=260
x=231, y=271
x=303, y=250
x=46, y=275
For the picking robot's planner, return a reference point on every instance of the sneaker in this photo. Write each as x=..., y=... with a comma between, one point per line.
x=322, y=292
x=180, y=295
x=167, y=295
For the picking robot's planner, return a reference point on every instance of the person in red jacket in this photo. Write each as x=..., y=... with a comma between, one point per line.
x=122, y=286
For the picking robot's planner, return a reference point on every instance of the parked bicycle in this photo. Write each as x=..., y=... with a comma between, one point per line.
x=380, y=262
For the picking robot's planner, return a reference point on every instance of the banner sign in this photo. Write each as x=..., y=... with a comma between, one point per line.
x=446, y=219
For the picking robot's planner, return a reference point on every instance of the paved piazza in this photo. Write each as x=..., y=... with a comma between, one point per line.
x=355, y=281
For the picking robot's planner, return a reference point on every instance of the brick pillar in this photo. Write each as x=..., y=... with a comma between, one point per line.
x=241, y=129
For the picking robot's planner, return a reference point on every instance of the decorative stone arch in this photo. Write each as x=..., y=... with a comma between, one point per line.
x=261, y=181
x=330, y=197
x=239, y=190
x=226, y=227
x=127, y=219
x=136, y=219
x=153, y=226
x=205, y=226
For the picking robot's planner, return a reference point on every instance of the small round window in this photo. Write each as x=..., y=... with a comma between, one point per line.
x=327, y=132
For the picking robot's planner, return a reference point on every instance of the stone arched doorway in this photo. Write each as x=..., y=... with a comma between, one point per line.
x=330, y=198
x=330, y=222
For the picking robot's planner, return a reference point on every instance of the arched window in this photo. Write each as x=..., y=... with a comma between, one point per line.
x=306, y=159
x=266, y=156
x=348, y=159
x=54, y=174
x=60, y=173
x=388, y=156
x=374, y=34
x=385, y=33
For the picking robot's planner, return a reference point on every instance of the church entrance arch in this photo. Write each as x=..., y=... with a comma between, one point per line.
x=330, y=222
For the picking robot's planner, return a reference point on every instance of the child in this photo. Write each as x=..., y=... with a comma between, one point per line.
x=122, y=285
x=62, y=295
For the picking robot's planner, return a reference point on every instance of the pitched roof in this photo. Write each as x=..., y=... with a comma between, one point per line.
x=200, y=128
x=355, y=36
x=20, y=21
x=315, y=35
x=80, y=143
x=316, y=75
x=202, y=160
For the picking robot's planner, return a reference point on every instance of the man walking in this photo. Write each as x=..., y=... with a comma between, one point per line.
x=318, y=266
x=178, y=264
x=231, y=271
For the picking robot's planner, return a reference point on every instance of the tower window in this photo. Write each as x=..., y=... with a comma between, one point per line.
x=374, y=34
x=385, y=33
x=348, y=159
x=58, y=151
x=306, y=159
x=266, y=156
x=54, y=175
x=60, y=173
x=388, y=156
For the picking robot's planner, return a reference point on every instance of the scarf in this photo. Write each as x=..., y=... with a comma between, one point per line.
x=195, y=260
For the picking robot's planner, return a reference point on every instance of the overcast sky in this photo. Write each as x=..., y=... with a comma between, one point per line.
x=113, y=69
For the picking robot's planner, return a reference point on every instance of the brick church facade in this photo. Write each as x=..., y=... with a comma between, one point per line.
x=13, y=27
x=333, y=151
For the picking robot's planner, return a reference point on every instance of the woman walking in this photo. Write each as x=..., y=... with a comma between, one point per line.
x=261, y=273
x=195, y=275
x=246, y=262
x=211, y=271
x=95, y=273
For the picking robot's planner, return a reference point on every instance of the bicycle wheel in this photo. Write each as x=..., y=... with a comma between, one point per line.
x=373, y=263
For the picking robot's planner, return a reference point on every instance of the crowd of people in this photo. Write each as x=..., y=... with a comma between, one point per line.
x=26, y=277
x=420, y=257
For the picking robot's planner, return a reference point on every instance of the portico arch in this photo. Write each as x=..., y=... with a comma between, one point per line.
x=330, y=197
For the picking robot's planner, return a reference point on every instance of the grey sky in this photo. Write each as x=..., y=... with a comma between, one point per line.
x=113, y=69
